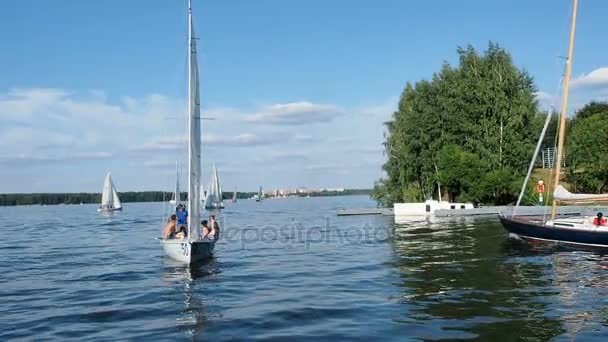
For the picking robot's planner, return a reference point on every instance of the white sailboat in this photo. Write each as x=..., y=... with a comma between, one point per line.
x=214, y=199
x=109, y=196
x=260, y=195
x=234, y=195
x=192, y=248
x=176, y=193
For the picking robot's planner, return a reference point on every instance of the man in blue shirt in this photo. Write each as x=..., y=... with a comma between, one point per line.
x=182, y=214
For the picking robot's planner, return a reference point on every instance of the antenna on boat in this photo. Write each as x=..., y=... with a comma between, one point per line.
x=562, y=121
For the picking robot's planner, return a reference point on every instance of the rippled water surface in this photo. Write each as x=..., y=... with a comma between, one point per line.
x=291, y=269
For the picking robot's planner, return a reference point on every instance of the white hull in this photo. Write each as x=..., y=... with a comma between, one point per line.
x=427, y=208
x=107, y=210
x=212, y=207
x=188, y=251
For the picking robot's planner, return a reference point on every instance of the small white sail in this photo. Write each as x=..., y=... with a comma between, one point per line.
x=218, y=187
x=213, y=200
x=109, y=195
x=176, y=192
x=234, y=195
x=106, y=194
x=116, y=200
x=562, y=195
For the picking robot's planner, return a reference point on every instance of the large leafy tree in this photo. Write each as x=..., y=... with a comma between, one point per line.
x=474, y=120
x=587, y=149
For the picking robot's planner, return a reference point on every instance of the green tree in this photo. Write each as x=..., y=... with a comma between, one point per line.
x=587, y=149
x=485, y=106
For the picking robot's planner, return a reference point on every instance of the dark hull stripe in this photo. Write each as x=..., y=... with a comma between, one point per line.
x=538, y=231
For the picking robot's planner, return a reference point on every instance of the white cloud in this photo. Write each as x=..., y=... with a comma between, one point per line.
x=174, y=143
x=295, y=113
x=168, y=165
x=49, y=128
x=37, y=158
x=303, y=138
x=545, y=100
x=596, y=79
x=170, y=143
x=383, y=110
x=244, y=140
x=324, y=167
x=38, y=118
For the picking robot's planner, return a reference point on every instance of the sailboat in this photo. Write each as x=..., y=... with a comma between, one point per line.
x=587, y=230
x=176, y=192
x=192, y=248
x=234, y=194
x=260, y=195
x=109, y=196
x=214, y=199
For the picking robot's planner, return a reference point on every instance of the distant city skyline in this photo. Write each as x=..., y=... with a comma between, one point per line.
x=299, y=91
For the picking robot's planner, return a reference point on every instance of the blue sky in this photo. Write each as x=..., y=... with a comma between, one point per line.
x=299, y=89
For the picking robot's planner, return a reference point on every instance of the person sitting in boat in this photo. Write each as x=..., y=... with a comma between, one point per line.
x=206, y=228
x=215, y=228
x=182, y=215
x=170, y=227
x=182, y=233
x=599, y=220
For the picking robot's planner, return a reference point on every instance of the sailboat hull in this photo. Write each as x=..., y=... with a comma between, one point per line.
x=561, y=232
x=107, y=210
x=188, y=251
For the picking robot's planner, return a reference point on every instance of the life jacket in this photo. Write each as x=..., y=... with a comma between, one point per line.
x=601, y=222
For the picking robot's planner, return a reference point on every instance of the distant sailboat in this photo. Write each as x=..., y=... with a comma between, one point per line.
x=109, y=196
x=260, y=195
x=214, y=199
x=176, y=193
x=234, y=195
x=192, y=248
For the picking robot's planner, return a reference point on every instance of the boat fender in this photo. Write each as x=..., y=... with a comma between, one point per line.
x=599, y=220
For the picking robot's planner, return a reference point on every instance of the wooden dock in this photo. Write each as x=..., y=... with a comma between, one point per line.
x=365, y=211
x=522, y=210
x=490, y=210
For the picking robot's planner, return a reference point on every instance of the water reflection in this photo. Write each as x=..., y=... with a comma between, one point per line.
x=189, y=280
x=457, y=282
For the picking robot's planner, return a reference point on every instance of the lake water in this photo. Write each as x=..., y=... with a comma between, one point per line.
x=291, y=270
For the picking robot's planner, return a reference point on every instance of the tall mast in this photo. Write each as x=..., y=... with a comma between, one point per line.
x=562, y=121
x=194, y=128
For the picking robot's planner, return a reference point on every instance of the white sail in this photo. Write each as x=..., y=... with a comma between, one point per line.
x=109, y=195
x=218, y=187
x=176, y=191
x=213, y=200
x=116, y=201
x=234, y=195
x=563, y=195
x=192, y=249
x=194, y=130
x=106, y=194
x=209, y=197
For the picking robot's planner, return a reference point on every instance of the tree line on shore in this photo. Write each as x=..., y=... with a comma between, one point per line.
x=134, y=196
x=471, y=130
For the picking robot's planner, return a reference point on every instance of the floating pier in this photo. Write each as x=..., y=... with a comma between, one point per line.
x=490, y=210
x=365, y=211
